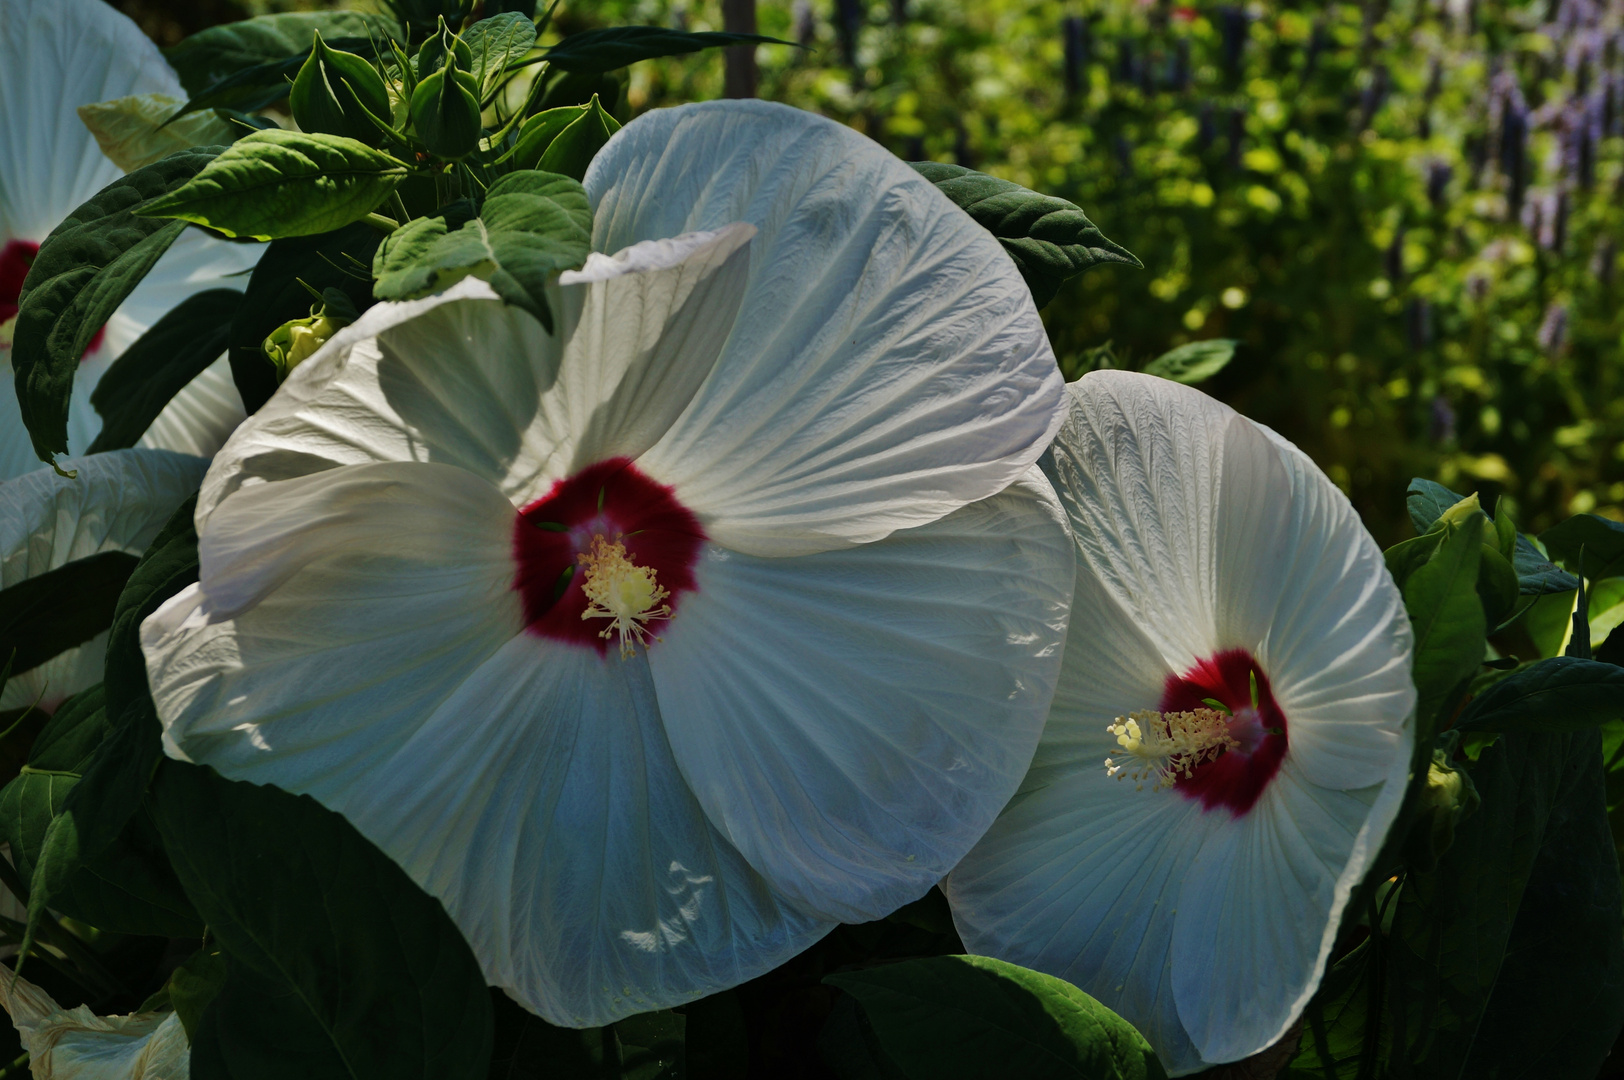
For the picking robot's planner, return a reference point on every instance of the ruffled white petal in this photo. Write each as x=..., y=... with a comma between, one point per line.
x=540, y=803
x=888, y=365
x=56, y=55
x=118, y=503
x=463, y=379
x=76, y=1044
x=329, y=608
x=853, y=720
x=200, y=418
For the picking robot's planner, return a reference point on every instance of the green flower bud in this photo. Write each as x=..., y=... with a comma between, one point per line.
x=296, y=340
x=333, y=93
x=445, y=111
x=572, y=150
x=1449, y=798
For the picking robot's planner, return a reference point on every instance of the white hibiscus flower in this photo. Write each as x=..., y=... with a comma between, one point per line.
x=76, y=1044
x=654, y=648
x=118, y=503
x=1241, y=655
x=56, y=55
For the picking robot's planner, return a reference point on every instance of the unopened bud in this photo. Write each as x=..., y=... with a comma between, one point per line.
x=297, y=340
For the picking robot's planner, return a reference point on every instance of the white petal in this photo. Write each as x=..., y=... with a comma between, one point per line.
x=76, y=1044
x=56, y=55
x=330, y=608
x=888, y=365
x=541, y=804
x=464, y=379
x=118, y=503
x=853, y=720
x=1260, y=908
x=200, y=418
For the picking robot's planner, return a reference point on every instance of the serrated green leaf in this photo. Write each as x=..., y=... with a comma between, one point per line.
x=274, y=183
x=1561, y=693
x=333, y=955
x=973, y=1015
x=494, y=42
x=593, y=51
x=81, y=274
x=572, y=149
x=52, y=612
x=1050, y=239
x=532, y=225
x=176, y=349
x=220, y=51
x=341, y=259
x=1194, y=362
x=1601, y=539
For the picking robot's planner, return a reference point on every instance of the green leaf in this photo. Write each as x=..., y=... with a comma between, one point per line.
x=593, y=51
x=341, y=260
x=176, y=349
x=976, y=1016
x=1602, y=540
x=335, y=92
x=33, y=798
x=194, y=984
x=1427, y=501
x=495, y=42
x=1447, y=617
x=538, y=132
x=1537, y=575
x=275, y=183
x=573, y=149
x=1050, y=239
x=52, y=612
x=81, y=274
x=219, y=51
x=532, y=225
x=135, y=131
x=445, y=111
x=334, y=957
x=1194, y=362
x=1562, y=693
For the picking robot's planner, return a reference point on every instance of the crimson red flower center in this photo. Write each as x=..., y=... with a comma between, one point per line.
x=16, y=259
x=1238, y=776
x=604, y=557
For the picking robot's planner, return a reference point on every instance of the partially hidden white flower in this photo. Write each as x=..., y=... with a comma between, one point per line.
x=119, y=502
x=1230, y=739
x=76, y=1044
x=654, y=648
x=56, y=55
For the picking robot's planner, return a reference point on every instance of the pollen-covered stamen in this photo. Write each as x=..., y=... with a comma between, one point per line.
x=618, y=589
x=1167, y=745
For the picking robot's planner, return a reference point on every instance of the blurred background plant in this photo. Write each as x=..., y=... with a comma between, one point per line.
x=1406, y=211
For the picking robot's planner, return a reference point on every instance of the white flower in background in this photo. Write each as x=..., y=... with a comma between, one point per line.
x=76, y=1044
x=56, y=55
x=1241, y=656
x=119, y=502
x=654, y=648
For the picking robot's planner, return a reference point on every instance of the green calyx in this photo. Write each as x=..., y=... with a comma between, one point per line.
x=296, y=340
x=445, y=111
x=335, y=92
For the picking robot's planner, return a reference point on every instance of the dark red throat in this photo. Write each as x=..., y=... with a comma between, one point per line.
x=16, y=259
x=1237, y=778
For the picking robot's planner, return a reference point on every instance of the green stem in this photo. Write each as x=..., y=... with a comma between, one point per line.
x=381, y=223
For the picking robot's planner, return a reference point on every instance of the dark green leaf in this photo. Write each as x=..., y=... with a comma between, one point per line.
x=57, y=610
x=1193, y=362
x=81, y=274
x=275, y=183
x=194, y=984
x=976, y=1016
x=494, y=42
x=649, y=1046
x=572, y=150
x=162, y=361
x=334, y=957
x=1537, y=575
x=532, y=225
x=1408, y=556
x=851, y=1049
x=592, y=51
x=539, y=131
x=1447, y=616
x=68, y=742
x=340, y=259
x=1558, y=694
x=1601, y=538
x=1050, y=239
x=212, y=54
x=336, y=92
x=445, y=111
x=1427, y=502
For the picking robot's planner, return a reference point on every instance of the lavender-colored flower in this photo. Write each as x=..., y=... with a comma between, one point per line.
x=1553, y=329
x=1442, y=426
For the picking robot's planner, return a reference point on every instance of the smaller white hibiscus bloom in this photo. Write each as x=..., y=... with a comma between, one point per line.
x=76, y=1044
x=119, y=502
x=56, y=55
x=655, y=647
x=1231, y=736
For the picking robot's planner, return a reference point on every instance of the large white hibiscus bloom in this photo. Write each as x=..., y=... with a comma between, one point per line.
x=56, y=55
x=118, y=503
x=655, y=647
x=1231, y=606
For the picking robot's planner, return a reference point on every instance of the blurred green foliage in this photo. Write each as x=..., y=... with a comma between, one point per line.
x=1407, y=212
